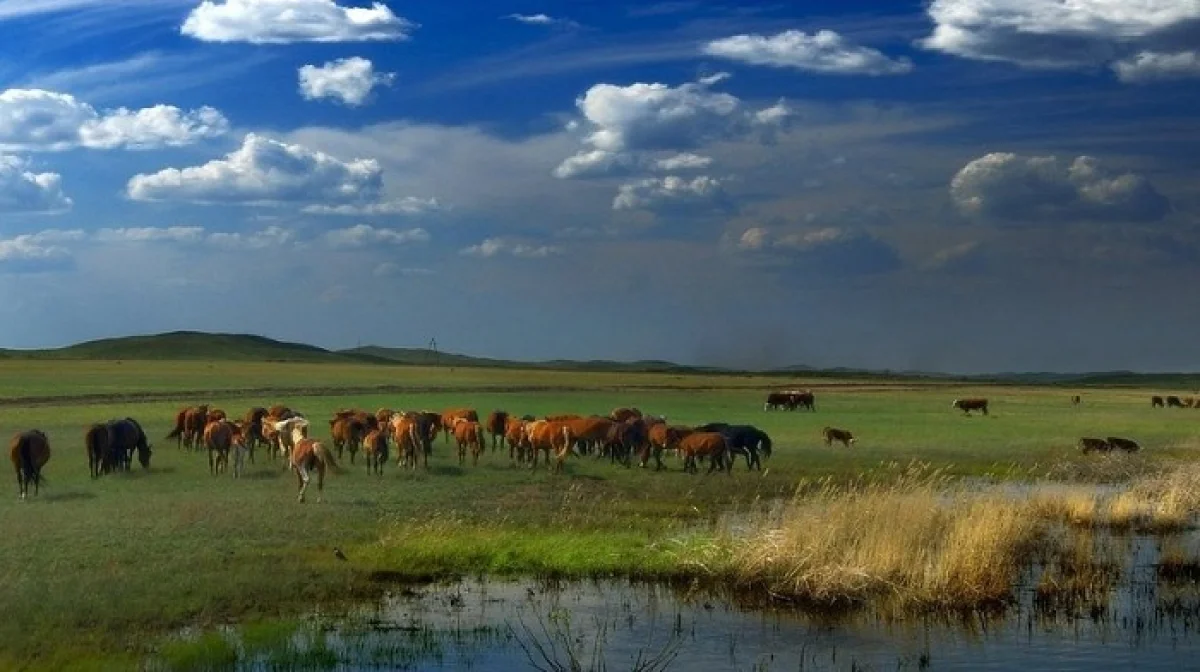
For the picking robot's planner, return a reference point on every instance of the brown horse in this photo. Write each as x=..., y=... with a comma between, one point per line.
x=496, y=423
x=705, y=444
x=348, y=432
x=98, y=442
x=625, y=414
x=406, y=432
x=468, y=434
x=549, y=437
x=660, y=437
x=218, y=439
x=194, y=422
x=518, y=443
x=375, y=450
x=309, y=454
x=450, y=416
x=29, y=452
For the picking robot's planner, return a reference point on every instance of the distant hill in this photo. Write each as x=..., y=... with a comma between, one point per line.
x=189, y=345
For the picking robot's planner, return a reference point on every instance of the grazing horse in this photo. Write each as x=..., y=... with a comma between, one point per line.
x=348, y=433
x=127, y=437
x=98, y=443
x=746, y=440
x=705, y=444
x=1127, y=445
x=308, y=454
x=194, y=422
x=410, y=439
x=968, y=405
x=29, y=452
x=831, y=434
x=375, y=450
x=1156, y=401
x=1088, y=444
x=468, y=434
x=218, y=439
x=497, y=421
x=1174, y=402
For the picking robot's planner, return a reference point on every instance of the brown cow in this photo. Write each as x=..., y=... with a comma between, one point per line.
x=218, y=439
x=1174, y=402
x=831, y=434
x=469, y=434
x=497, y=422
x=549, y=436
x=968, y=405
x=705, y=444
x=375, y=450
x=1156, y=401
x=348, y=433
x=625, y=414
x=660, y=437
x=449, y=416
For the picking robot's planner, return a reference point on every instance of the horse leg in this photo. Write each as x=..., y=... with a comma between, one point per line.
x=302, y=477
x=320, y=480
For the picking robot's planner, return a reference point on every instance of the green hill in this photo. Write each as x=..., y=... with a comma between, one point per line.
x=190, y=345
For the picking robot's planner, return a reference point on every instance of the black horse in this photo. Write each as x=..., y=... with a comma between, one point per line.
x=126, y=437
x=745, y=440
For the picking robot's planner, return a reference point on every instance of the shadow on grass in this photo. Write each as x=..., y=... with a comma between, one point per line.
x=446, y=470
x=71, y=496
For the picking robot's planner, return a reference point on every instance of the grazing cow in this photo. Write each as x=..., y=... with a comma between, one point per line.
x=549, y=437
x=590, y=431
x=746, y=440
x=705, y=444
x=497, y=421
x=778, y=400
x=805, y=399
x=1156, y=401
x=469, y=434
x=29, y=452
x=449, y=416
x=1088, y=444
x=968, y=405
x=218, y=439
x=831, y=434
x=307, y=454
x=1076, y=400
x=348, y=433
x=127, y=436
x=98, y=443
x=660, y=437
x=625, y=414
x=518, y=443
x=1127, y=445
x=375, y=450
x=1174, y=402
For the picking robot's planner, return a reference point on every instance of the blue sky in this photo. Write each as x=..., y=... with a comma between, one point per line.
x=959, y=185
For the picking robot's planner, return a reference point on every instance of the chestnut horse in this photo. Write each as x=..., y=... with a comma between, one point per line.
x=29, y=452
x=468, y=434
x=308, y=454
x=375, y=450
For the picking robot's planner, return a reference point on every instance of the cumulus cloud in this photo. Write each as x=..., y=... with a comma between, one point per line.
x=668, y=192
x=493, y=247
x=349, y=80
x=287, y=21
x=824, y=52
x=685, y=161
x=35, y=119
x=601, y=163
x=409, y=205
x=832, y=250
x=1013, y=188
x=268, y=172
x=24, y=191
x=1149, y=66
x=1036, y=33
x=38, y=252
x=365, y=235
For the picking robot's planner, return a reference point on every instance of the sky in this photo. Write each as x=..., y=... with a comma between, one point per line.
x=963, y=186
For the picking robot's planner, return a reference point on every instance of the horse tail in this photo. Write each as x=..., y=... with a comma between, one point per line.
x=30, y=472
x=325, y=455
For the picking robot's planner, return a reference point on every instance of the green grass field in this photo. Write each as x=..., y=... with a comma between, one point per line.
x=92, y=572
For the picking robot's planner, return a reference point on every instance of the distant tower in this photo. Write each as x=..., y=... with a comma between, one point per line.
x=433, y=351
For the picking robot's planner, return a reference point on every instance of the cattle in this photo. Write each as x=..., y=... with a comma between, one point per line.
x=375, y=450
x=469, y=434
x=746, y=440
x=549, y=437
x=1189, y=402
x=624, y=414
x=1127, y=445
x=449, y=416
x=1076, y=400
x=778, y=400
x=705, y=444
x=831, y=434
x=1174, y=402
x=1089, y=444
x=497, y=421
x=791, y=400
x=1156, y=401
x=660, y=437
x=968, y=405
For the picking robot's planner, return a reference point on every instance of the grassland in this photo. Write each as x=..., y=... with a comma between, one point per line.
x=92, y=571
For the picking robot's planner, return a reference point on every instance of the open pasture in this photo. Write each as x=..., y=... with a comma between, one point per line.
x=100, y=566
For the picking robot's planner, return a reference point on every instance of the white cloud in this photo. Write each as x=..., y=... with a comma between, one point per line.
x=265, y=171
x=685, y=161
x=37, y=252
x=825, y=52
x=1149, y=66
x=409, y=205
x=1038, y=33
x=151, y=234
x=774, y=115
x=1015, y=188
x=270, y=237
x=35, y=119
x=493, y=247
x=365, y=235
x=349, y=80
x=827, y=250
x=541, y=20
x=22, y=190
x=595, y=163
x=288, y=21
x=667, y=192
